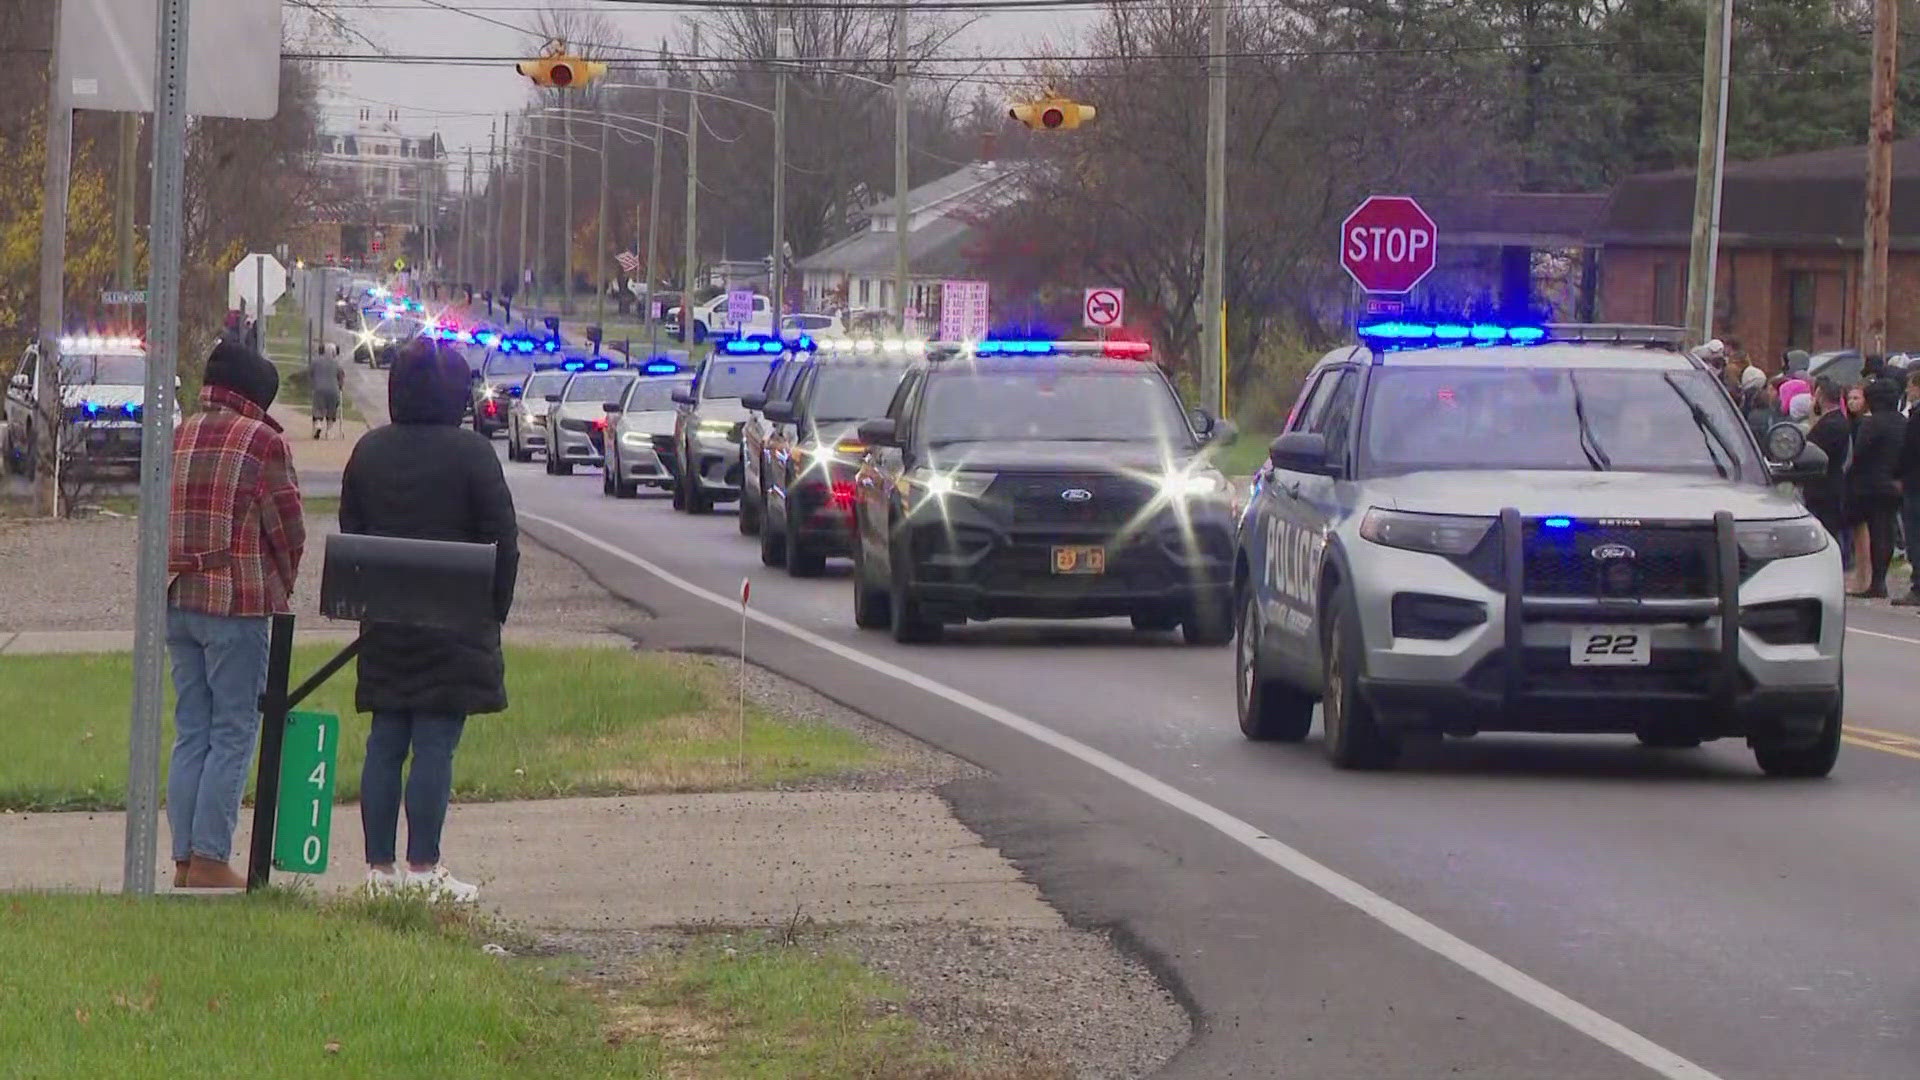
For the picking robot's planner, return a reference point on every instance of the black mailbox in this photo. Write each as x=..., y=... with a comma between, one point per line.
x=417, y=582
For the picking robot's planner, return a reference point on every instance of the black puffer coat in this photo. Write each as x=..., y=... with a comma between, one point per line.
x=424, y=476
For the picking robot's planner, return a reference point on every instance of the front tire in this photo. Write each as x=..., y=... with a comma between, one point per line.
x=773, y=545
x=1270, y=710
x=871, y=606
x=1210, y=623
x=1354, y=737
x=910, y=624
x=752, y=509
x=1804, y=761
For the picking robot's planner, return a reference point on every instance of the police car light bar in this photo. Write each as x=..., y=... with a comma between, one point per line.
x=96, y=344
x=1672, y=337
x=1398, y=334
x=662, y=367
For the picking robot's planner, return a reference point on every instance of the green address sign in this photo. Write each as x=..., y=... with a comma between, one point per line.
x=303, y=827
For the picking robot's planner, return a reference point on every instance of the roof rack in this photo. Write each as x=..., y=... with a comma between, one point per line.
x=1670, y=337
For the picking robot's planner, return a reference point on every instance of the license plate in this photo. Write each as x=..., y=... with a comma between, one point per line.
x=1079, y=559
x=1612, y=646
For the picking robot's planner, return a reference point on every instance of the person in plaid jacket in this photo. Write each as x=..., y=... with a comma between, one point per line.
x=235, y=538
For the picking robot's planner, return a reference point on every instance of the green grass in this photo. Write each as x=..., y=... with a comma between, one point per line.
x=282, y=985
x=129, y=505
x=1246, y=455
x=592, y=721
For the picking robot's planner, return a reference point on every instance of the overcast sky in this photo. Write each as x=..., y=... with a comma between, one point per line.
x=460, y=102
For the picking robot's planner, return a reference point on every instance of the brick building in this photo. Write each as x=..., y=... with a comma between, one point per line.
x=1791, y=233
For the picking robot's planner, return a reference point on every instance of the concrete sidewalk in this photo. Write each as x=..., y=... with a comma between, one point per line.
x=755, y=858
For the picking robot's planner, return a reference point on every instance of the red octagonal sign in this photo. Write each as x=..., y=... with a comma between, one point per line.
x=1387, y=244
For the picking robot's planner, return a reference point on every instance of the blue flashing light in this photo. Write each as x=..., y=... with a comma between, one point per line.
x=132, y=409
x=1556, y=523
x=550, y=345
x=92, y=408
x=485, y=337
x=662, y=367
x=602, y=365
x=1402, y=334
x=1451, y=332
x=515, y=391
x=1526, y=334
x=573, y=365
x=1013, y=348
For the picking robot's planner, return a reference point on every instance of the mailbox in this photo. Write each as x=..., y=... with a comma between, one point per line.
x=398, y=580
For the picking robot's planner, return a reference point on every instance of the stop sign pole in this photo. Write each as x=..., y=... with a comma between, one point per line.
x=1387, y=245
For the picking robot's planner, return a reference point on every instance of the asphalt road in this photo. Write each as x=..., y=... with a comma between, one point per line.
x=1509, y=906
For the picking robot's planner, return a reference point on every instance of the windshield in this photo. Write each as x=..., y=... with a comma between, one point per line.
x=83, y=370
x=854, y=391
x=605, y=389
x=544, y=383
x=653, y=395
x=1596, y=419
x=732, y=378
x=509, y=365
x=397, y=328
x=1053, y=406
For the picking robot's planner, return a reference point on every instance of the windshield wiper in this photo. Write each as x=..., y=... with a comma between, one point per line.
x=1710, y=435
x=1589, y=445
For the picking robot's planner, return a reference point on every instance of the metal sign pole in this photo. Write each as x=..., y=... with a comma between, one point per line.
x=156, y=447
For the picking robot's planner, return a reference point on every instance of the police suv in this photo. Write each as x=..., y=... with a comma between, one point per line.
x=1569, y=529
x=1036, y=479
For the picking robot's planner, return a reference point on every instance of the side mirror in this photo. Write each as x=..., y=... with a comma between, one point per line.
x=1225, y=433
x=611, y=408
x=754, y=402
x=1300, y=451
x=881, y=432
x=683, y=397
x=20, y=381
x=553, y=399
x=1790, y=457
x=779, y=412
x=1201, y=421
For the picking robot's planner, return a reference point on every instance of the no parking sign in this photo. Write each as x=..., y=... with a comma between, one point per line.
x=1104, y=308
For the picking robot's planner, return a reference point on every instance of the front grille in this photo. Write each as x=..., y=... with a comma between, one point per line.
x=1549, y=670
x=1634, y=562
x=1072, y=498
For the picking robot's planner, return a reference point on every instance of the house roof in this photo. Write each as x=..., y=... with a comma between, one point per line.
x=1815, y=199
x=951, y=187
x=936, y=249
x=1492, y=218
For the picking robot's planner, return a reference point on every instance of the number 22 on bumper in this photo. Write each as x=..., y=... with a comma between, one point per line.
x=1612, y=646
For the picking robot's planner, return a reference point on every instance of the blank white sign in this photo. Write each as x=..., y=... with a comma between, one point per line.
x=107, y=50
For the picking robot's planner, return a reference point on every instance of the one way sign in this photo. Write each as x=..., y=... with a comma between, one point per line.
x=1104, y=308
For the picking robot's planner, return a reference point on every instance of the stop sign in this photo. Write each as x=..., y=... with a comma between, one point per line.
x=1387, y=244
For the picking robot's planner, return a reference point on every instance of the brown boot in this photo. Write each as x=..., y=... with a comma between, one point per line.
x=180, y=873
x=204, y=873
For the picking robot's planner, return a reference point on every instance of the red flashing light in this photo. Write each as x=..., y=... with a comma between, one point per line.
x=843, y=494
x=561, y=74
x=1127, y=350
x=1052, y=118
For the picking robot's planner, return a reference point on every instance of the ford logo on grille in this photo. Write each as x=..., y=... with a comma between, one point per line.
x=1610, y=552
x=1077, y=495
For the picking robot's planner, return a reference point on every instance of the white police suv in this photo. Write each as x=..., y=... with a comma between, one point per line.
x=1471, y=528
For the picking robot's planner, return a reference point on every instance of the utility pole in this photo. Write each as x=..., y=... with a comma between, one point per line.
x=55, y=182
x=540, y=226
x=1213, y=281
x=156, y=442
x=490, y=254
x=566, y=225
x=783, y=49
x=693, y=195
x=1703, y=259
x=1873, y=275
x=600, y=230
x=466, y=223
x=653, y=203
x=526, y=188
x=903, y=214
x=124, y=202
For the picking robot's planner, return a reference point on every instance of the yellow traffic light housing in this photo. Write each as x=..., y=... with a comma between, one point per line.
x=1052, y=113
x=559, y=69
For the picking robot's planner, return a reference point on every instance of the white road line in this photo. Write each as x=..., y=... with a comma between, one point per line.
x=1881, y=636
x=1600, y=1028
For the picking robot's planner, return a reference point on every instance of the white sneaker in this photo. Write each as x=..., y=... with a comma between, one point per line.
x=440, y=885
x=381, y=883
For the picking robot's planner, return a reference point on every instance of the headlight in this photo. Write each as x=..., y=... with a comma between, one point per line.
x=1435, y=534
x=968, y=485
x=718, y=429
x=1782, y=539
x=635, y=440
x=1192, y=485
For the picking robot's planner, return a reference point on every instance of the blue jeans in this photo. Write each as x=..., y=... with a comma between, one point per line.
x=219, y=670
x=433, y=738
x=1910, y=531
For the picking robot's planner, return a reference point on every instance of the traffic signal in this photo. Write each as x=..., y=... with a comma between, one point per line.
x=559, y=69
x=1052, y=113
